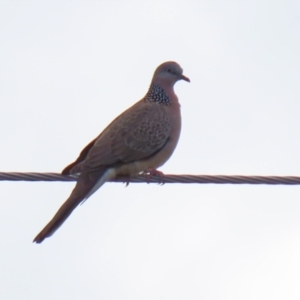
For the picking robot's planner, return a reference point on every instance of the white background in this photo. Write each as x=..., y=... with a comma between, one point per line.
x=69, y=67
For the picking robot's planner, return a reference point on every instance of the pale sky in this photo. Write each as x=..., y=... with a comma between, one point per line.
x=69, y=67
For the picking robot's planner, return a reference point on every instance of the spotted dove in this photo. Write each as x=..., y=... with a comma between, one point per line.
x=142, y=138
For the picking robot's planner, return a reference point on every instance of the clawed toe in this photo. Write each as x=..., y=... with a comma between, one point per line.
x=153, y=172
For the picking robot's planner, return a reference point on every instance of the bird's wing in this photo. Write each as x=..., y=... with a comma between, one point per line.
x=81, y=157
x=138, y=133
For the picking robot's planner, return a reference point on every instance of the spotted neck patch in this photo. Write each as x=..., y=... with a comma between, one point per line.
x=157, y=95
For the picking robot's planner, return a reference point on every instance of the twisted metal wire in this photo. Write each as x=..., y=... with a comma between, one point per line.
x=166, y=178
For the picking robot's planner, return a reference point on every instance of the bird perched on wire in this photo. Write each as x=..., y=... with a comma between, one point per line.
x=141, y=139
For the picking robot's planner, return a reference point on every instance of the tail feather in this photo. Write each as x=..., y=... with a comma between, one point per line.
x=85, y=186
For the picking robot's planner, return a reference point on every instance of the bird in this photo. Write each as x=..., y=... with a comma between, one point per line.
x=139, y=140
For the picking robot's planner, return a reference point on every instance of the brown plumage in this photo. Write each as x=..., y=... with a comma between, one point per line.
x=143, y=137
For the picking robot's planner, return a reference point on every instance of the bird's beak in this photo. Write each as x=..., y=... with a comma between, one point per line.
x=185, y=78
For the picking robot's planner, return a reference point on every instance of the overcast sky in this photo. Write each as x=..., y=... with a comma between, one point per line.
x=69, y=67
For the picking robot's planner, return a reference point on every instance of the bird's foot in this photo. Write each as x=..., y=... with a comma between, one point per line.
x=153, y=172
x=126, y=178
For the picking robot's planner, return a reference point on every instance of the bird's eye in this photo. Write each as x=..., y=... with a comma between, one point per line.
x=169, y=70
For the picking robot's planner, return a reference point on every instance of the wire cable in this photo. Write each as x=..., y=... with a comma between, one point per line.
x=166, y=178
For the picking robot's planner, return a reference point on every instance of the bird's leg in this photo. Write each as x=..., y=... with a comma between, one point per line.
x=149, y=173
x=127, y=181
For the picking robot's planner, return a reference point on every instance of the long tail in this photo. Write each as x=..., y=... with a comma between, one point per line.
x=86, y=185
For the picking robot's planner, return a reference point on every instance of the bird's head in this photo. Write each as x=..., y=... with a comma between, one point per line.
x=169, y=72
